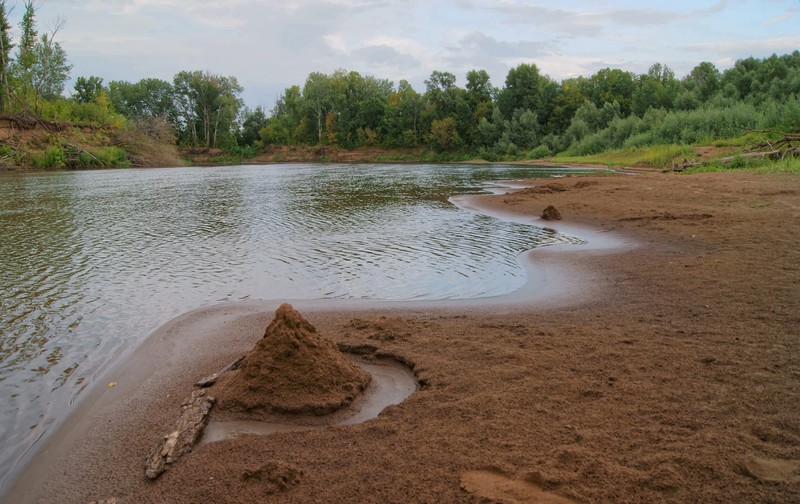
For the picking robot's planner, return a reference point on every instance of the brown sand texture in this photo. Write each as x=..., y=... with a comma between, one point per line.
x=292, y=369
x=667, y=370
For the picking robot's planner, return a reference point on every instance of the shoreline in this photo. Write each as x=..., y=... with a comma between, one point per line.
x=637, y=391
x=550, y=282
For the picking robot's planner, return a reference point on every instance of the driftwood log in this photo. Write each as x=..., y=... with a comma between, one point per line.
x=788, y=146
x=182, y=439
x=684, y=165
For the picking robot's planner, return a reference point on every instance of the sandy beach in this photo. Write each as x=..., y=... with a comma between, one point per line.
x=665, y=368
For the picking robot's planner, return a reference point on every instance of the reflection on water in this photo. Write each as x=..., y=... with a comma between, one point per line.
x=91, y=262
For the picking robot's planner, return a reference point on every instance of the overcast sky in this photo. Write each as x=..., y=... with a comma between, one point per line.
x=269, y=45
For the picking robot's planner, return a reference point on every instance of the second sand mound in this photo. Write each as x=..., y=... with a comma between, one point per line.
x=292, y=369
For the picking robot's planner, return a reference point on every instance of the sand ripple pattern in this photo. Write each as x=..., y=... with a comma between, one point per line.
x=91, y=262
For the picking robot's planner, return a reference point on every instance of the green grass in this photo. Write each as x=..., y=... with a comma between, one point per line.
x=662, y=156
x=746, y=141
x=790, y=166
x=51, y=157
x=658, y=155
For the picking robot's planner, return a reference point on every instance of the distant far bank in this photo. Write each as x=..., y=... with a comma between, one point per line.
x=744, y=153
x=29, y=144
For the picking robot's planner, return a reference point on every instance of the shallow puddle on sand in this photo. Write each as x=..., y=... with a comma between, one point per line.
x=392, y=383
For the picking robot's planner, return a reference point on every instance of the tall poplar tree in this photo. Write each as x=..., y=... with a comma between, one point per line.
x=27, y=41
x=5, y=52
x=50, y=69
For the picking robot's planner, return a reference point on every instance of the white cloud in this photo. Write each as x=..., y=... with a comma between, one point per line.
x=743, y=46
x=479, y=43
x=644, y=17
x=556, y=20
x=786, y=16
x=270, y=45
x=385, y=56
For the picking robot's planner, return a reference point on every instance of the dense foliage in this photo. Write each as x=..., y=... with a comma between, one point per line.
x=531, y=115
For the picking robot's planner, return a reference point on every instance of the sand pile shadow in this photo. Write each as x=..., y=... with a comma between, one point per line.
x=292, y=369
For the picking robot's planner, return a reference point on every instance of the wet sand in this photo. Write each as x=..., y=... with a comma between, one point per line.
x=664, y=371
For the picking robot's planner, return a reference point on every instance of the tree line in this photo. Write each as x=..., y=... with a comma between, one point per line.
x=531, y=115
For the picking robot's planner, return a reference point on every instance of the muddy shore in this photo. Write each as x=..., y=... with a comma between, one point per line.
x=663, y=371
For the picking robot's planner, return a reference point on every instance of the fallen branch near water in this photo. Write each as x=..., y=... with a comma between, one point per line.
x=212, y=379
x=180, y=441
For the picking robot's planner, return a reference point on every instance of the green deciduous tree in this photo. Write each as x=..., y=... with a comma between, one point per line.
x=41, y=69
x=479, y=87
x=87, y=89
x=318, y=94
x=527, y=89
x=400, y=125
x=444, y=135
x=148, y=98
x=704, y=80
x=479, y=96
x=440, y=93
x=359, y=104
x=284, y=126
x=207, y=106
x=253, y=121
x=657, y=88
x=610, y=85
x=50, y=70
x=567, y=100
x=522, y=90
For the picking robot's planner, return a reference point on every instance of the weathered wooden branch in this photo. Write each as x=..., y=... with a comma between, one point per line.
x=773, y=154
x=780, y=149
x=182, y=439
x=212, y=379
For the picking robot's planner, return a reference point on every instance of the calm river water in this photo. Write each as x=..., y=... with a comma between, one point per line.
x=92, y=262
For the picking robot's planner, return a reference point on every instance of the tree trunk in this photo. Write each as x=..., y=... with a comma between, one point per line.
x=216, y=128
x=3, y=73
x=319, y=122
x=206, y=126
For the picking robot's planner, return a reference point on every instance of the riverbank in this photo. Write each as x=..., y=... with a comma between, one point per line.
x=673, y=376
x=29, y=143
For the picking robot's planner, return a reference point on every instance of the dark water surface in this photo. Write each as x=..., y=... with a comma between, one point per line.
x=92, y=262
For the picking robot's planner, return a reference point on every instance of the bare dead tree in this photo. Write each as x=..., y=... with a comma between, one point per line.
x=787, y=146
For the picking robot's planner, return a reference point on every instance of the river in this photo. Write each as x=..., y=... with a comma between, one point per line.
x=92, y=262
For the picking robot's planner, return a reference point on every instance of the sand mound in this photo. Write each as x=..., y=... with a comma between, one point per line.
x=550, y=213
x=292, y=369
